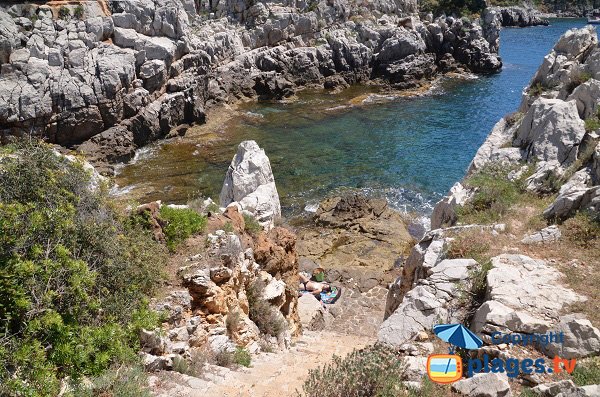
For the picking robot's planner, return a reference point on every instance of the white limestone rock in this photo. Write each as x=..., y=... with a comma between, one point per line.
x=249, y=181
x=484, y=385
x=551, y=131
x=311, y=312
x=444, y=213
x=581, y=338
x=546, y=235
x=494, y=148
x=577, y=193
x=523, y=295
x=433, y=298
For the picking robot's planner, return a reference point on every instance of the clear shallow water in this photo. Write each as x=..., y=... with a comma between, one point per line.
x=411, y=150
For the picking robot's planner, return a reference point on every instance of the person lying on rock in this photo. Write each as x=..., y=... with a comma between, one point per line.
x=314, y=287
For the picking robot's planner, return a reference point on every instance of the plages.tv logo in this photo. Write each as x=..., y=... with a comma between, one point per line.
x=448, y=368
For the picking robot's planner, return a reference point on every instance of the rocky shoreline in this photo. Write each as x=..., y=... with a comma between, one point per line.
x=171, y=62
x=548, y=137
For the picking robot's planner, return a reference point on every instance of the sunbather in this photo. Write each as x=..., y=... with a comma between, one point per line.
x=314, y=287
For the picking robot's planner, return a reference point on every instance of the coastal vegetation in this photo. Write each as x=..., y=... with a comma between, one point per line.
x=179, y=224
x=75, y=275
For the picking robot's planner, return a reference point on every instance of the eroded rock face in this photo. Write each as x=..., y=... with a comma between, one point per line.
x=513, y=277
x=433, y=298
x=250, y=183
x=234, y=271
x=581, y=338
x=149, y=66
x=551, y=131
x=576, y=194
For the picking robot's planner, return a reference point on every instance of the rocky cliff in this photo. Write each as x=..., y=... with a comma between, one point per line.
x=235, y=286
x=107, y=80
x=478, y=273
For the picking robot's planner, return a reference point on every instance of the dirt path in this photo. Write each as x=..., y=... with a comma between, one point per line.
x=271, y=374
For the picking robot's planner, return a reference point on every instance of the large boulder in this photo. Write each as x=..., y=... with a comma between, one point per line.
x=551, y=131
x=575, y=42
x=484, y=385
x=576, y=194
x=444, y=212
x=581, y=338
x=249, y=181
x=495, y=149
x=9, y=36
x=561, y=388
x=512, y=277
x=312, y=313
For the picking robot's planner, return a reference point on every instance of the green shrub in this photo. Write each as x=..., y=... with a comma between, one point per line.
x=74, y=275
x=587, y=372
x=182, y=366
x=78, y=12
x=64, y=12
x=264, y=315
x=537, y=89
x=527, y=392
x=125, y=381
x=242, y=357
x=375, y=371
x=251, y=225
x=429, y=389
x=583, y=229
x=494, y=195
x=181, y=223
x=228, y=227
x=592, y=124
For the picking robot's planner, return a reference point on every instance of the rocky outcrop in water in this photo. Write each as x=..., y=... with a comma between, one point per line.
x=249, y=183
x=357, y=240
x=115, y=79
x=515, y=16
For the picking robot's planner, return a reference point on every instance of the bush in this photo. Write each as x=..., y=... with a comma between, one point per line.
x=494, y=195
x=125, y=381
x=375, y=371
x=592, y=124
x=242, y=357
x=514, y=118
x=181, y=223
x=251, y=225
x=78, y=12
x=583, y=229
x=74, y=274
x=64, y=12
x=266, y=317
x=224, y=358
x=587, y=373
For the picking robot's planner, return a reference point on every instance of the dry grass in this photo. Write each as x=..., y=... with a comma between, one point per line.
x=576, y=254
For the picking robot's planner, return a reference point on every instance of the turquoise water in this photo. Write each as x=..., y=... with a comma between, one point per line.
x=409, y=149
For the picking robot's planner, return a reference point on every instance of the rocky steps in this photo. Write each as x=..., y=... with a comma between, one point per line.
x=115, y=78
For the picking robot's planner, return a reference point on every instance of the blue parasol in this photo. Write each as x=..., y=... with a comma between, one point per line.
x=458, y=335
